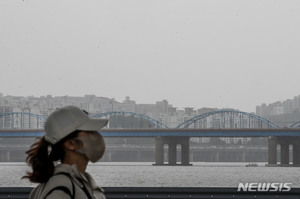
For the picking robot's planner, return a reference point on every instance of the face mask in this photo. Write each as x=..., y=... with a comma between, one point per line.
x=93, y=146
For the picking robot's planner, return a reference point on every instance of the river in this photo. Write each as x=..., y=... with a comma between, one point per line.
x=201, y=174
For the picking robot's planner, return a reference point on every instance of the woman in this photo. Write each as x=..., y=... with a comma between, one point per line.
x=71, y=138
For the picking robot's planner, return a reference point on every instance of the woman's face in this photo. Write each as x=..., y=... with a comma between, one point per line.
x=83, y=134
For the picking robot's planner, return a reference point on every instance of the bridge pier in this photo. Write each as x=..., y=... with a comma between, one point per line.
x=172, y=142
x=185, y=151
x=244, y=156
x=172, y=153
x=272, y=151
x=5, y=156
x=296, y=152
x=284, y=143
x=159, y=151
x=109, y=154
x=284, y=153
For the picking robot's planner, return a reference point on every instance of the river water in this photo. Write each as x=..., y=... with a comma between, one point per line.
x=201, y=174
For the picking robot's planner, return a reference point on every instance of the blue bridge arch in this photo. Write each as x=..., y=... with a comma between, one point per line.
x=229, y=119
x=132, y=115
x=295, y=125
x=21, y=120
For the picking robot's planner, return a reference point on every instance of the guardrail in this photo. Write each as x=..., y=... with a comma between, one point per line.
x=165, y=192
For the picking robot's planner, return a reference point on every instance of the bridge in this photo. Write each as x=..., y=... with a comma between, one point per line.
x=222, y=123
x=280, y=132
x=173, y=137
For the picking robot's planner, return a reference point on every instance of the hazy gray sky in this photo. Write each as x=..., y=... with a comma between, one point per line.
x=201, y=53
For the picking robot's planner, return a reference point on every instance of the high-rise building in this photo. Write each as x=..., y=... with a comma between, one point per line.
x=5, y=117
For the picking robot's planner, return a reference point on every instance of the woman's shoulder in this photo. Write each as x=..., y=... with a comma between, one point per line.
x=57, y=184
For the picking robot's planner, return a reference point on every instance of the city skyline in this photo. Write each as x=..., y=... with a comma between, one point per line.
x=216, y=54
x=16, y=112
x=273, y=108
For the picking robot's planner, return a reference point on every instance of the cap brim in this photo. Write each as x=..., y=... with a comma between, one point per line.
x=93, y=125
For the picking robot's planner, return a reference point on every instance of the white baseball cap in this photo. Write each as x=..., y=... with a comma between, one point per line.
x=68, y=119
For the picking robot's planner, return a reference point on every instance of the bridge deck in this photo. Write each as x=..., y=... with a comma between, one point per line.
x=169, y=132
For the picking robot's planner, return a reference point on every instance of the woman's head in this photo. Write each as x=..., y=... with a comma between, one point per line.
x=63, y=127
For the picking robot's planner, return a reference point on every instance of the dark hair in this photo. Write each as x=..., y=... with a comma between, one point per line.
x=42, y=160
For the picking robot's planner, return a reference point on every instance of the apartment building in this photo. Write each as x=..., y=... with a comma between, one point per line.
x=279, y=107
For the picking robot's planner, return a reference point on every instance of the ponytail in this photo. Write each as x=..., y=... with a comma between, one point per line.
x=40, y=162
